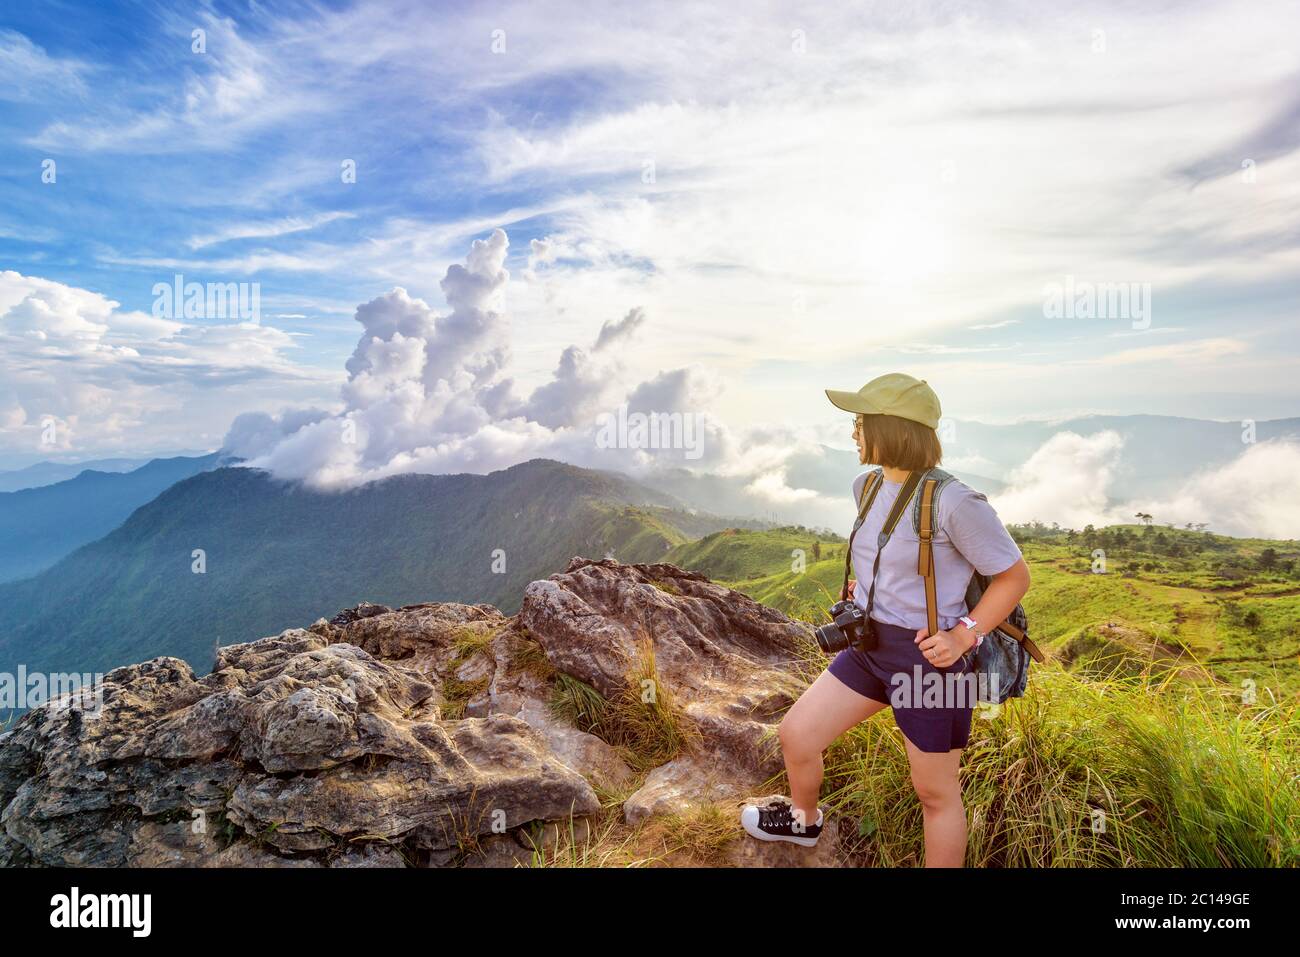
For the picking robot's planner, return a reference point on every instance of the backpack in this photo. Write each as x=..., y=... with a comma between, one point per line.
x=1001, y=662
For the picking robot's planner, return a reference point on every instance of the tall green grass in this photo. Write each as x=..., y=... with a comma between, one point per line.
x=1122, y=773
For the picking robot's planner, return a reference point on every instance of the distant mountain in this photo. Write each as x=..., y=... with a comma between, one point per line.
x=47, y=473
x=1158, y=454
x=38, y=526
x=276, y=554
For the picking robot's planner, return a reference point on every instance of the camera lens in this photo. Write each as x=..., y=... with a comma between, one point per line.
x=831, y=638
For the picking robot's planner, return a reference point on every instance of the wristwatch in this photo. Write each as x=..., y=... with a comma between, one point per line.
x=973, y=625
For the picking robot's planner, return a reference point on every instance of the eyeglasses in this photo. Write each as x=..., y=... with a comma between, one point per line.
x=857, y=425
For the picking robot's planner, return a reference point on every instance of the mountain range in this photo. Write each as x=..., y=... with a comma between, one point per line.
x=1157, y=454
x=233, y=553
x=47, y=473
x=38, y=526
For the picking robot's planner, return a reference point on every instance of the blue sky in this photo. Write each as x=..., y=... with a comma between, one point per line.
x=795, y=199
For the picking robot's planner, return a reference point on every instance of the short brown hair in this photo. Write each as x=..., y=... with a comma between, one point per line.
x=900, y=443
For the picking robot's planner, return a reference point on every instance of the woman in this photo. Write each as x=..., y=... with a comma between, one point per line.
x=895, y=417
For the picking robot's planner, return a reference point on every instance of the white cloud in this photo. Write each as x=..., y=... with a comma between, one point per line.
x=110, y=378
x=265, y=230
x=1254, y=495
x=232, y=89
x=772, y=487
x=1194, y=352
x=32, y=74
x=1066, y=481
x=429, y=392
x=616, y=331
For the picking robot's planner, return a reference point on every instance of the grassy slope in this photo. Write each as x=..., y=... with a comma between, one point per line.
x=1179, y=604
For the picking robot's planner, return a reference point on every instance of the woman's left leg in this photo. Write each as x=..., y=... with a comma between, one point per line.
x=934, y=776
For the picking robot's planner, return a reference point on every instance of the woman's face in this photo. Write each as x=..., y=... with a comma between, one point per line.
x=863, y=451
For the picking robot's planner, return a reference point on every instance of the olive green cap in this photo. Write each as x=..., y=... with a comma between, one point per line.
x=894, y=393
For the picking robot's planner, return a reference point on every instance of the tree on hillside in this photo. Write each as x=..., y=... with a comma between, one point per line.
x=1268, y=559
x=817, y=551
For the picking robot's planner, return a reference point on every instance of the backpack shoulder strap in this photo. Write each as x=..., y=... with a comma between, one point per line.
x=869, y=489
x=926, y=515
x=925, y=550
x=905, y=494
x=944, y=479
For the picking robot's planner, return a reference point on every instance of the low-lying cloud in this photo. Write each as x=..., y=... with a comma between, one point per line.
x=1067, y=481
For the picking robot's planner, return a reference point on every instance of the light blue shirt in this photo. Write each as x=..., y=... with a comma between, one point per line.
x=970, y=538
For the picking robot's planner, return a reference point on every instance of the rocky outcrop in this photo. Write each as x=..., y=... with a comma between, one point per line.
x=726, y=657
x=429, y=735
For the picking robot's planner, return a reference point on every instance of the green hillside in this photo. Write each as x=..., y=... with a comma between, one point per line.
x=1165, y=598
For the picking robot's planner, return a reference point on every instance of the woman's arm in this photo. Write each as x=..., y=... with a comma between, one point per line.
x=1005, y=590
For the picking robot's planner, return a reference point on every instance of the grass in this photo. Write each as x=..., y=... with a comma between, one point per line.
x=697, y=837
x=643, y=721
x=457, y=694
x=1129, y=772
x=1077, y=774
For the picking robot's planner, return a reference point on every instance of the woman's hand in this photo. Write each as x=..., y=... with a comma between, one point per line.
x=852, y=584
x=943, y=647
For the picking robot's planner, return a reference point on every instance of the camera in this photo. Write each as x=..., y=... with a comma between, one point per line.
x=849, y=626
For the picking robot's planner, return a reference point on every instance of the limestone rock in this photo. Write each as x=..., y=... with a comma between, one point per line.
x=675, y=787
x=418, y=736
x=301, y=747
x=727, y=658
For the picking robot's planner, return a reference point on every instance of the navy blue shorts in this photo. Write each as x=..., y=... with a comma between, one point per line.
x=933, y=712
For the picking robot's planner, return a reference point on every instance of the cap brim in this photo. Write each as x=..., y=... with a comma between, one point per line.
x=851, y=402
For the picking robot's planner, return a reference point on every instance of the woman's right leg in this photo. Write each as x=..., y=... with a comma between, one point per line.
x=825, y=711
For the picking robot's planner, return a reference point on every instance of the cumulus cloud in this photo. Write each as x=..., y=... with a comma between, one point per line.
x=256, y=433
x=613, y=332
x=430, y=392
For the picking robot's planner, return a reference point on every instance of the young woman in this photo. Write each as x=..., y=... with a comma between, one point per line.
x=895, y=417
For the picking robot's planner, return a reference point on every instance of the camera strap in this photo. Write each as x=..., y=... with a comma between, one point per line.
x=869, y=489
